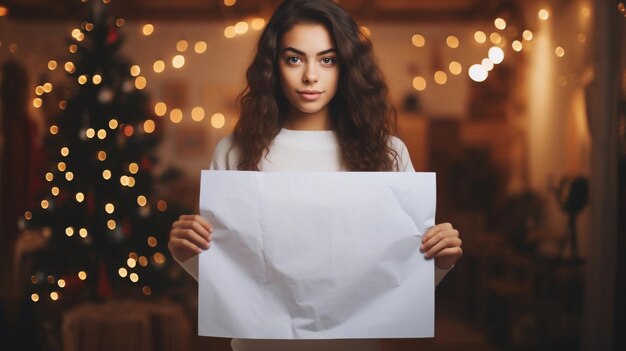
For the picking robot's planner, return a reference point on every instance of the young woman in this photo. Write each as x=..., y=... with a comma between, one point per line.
x=315, y=101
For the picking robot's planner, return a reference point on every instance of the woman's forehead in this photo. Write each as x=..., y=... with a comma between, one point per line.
x=310, y=38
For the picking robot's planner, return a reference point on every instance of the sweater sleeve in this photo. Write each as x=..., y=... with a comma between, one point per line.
x=405, y=165
x=224, y=158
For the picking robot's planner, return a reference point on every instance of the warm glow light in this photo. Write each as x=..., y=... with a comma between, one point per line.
x=54, y=191
x=109, y=208
x=69, y=231
x=140, y=82
x=496, y=55
x=54, y=296
x=131, y=262
x=178, y=61
x=143, y=261
x=147, y=29
x=80, y=197
x=230, y=32
x=62, y=104
x=90, y=133
x=527, y=35
x=3, y=12
x=182, y=45
x=65, y=151
x=487, y=64
x=61, y=166
x=418, y=40
x=49, y=176
x=477, y=73
x=160, y=108
x=162, y=205
x=135, y=70
x=102, y=134
x=28, y=215
x=230, y=2
x=149, y=126
x=37, y=102
x=69, y=176
x=34, y=297
x=218, y=120
x=495, y=38
x=120, y=22
x=559, y=51
x=47, y=87
x=197, y=114
x=480, y=37
x=133, y=168
x=113, y=123
x=159, y=258
x=499, y=23
x=134, y=277
x=39, y=90
x=102, y=155
x=129, y=130
x=124, y=180
x=83, y=232
x=152, y=241
x=200, y=47
x=52, y=65
x=69, y=67
x=452, y=42
x=146, y=290
x=241, y=27
x=61, y=283
x=581, y=38
x=54, y=129
x=96, y=79
x=441, y=77
x=455, y=68
x=176, y=115
x=158, y=66
x=111, y=224
x=517, y=45
x=106, y=174
x=257, y=23
x=543, y=14
x=82, y=275
x=73, y=48
x=141, y=200
x=82, y=79
x=122, y=272
x=44, y=204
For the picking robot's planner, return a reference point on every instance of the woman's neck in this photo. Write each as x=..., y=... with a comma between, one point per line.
x=308, y=121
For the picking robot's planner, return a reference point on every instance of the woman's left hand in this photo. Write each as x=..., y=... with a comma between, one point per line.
x=443, y=243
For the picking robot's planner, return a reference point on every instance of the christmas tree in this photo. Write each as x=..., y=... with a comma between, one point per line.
x=106, y=229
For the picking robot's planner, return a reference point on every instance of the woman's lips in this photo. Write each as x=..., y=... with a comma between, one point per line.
x=309, y=95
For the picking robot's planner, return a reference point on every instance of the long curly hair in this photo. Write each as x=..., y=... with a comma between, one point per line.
x=361, y=114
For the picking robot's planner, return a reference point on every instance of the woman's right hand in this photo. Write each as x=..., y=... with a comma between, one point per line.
x=189, y=235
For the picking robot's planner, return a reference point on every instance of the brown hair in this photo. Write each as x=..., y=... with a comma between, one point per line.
x=361, y=114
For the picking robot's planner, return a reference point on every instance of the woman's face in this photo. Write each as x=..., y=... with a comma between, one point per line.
x=309, y=73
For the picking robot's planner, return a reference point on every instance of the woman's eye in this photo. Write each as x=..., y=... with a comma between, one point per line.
x=293, y=59
x=328, y=60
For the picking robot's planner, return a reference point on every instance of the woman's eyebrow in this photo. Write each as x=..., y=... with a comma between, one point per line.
x=301, y=53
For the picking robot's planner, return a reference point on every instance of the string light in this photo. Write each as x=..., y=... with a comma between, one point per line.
x=54, y=129
x=527, y=35
x=28, y=215
x=80, y=197
x=143, y=261
x=82, y=275
x=176, y=115
x=452, y=42
x=147, y=29
x=134, y=277
x=34, y=297
x=102, y=134
x=230, y=32
x=61, y=166
x=441, y=77
x=113, y=123
x=131, y=262
x=496, y=55
x=133, y=168
x=69, y=231
x=122, y=272
x=149, y=126
x=477, y=73
x=158, y=66
x=543, y=14
x=96, y=79
x=455, y=68
x=140, y=83
x=230, y=2
x=160, y=109
x=517, y=45
x=182, y=46
x=559, y=51
x=197, y=114
x=83, y=232
x=487, y=64
x=418, y=40
x=200, y=47
x=54, y=191
x=111, y=224
x=162, y=205
x=178, y=61
x=135, y=70
x=141, y=200
x=49, y=176
x=69, y=176
x=152, y=241
x=39, y=90
x=241, y=27
x=480, y=37
x=54, y=296
x=109, y=208
x=106, y=174
x=499, y=23
x=61, y=283
x=257, y=23
x=218, y=120
x=65, y=151
x=495, y=38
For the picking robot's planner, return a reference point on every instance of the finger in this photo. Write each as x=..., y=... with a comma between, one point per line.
x=437, y=237
x=450, y=252
x=191, y=236
x=435, y=229
x=445, y=243
x=193, y=225
x=203, y=222
x=182, y=249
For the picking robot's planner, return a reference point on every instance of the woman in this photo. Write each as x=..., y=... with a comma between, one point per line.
x=315, y=101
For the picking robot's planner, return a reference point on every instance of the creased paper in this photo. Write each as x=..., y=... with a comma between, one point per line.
x=316, y=255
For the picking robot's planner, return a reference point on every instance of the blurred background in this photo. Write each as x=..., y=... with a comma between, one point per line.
x=111, y=108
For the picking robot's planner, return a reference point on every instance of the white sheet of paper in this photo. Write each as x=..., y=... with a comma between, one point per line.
x=316, y=255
